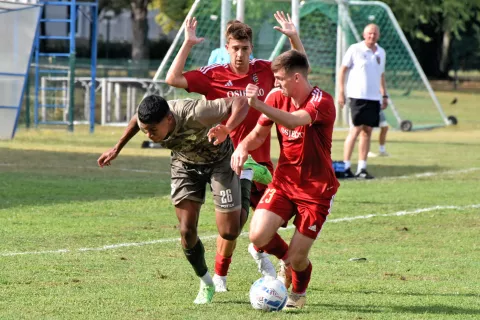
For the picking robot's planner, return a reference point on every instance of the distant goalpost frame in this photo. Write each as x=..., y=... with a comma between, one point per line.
x=18, y=26
x=413, y=103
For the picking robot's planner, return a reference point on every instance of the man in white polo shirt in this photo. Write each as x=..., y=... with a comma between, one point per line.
x=367, y=95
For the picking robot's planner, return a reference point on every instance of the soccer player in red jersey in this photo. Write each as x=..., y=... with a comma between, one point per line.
x=304, y=182
x=229, y=80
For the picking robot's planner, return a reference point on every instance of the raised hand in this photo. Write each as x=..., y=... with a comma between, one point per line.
x=190, y=31
x=106, y=157
x=218, y=134
x=252, y=94
x=286, y=24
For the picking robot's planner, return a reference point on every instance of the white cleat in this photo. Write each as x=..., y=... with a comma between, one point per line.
x=220, y=283
x=265, y=266
x=372, y=154
x=295, y=301
x=384, y=154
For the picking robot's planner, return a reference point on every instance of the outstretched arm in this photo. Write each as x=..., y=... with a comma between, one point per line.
x=288, y=28
x=238, y=113
x=175, y=76
x=251, y=142
x=131, y=130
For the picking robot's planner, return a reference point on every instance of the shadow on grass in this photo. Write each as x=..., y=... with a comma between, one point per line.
x=29, y=177
x=386, y=171
x=425, y=309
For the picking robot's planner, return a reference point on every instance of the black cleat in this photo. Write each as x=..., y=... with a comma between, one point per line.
x=363, y=174
x=348, y=174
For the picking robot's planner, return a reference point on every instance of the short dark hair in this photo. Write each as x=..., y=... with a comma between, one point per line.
x=152, y=109
x=291, y=61
x=238, y=31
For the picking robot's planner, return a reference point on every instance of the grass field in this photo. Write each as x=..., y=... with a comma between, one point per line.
x=80, y=242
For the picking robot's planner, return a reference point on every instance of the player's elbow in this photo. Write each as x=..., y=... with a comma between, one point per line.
x=170, y=79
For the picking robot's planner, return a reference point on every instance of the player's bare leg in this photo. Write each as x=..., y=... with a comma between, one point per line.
x=363, y=148
x=298, y=251
x=348, y=147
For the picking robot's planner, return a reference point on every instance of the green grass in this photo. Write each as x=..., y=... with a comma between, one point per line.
x=423, y=264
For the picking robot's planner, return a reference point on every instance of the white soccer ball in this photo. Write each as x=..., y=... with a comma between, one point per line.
x=268, y=294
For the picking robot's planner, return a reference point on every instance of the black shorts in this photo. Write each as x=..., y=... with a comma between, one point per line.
x=365, y=112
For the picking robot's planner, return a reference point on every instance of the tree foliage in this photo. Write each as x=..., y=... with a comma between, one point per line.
x=171, y=13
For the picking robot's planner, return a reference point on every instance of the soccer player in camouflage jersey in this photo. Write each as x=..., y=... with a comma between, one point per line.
x=229, y=80
x=184, y=127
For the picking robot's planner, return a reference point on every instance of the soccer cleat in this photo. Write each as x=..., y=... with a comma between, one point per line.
x=260, y=173
x=205, y=294
x=363, y=174
x=220, y=283
x=295, y=301
x=384, y=154
x=265, y=266
x=285, y=274
x=371, y=154
x=348, y=174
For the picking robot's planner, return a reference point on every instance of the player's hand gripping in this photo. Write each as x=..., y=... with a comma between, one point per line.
x=239, y=156
x=218, y=134
x=106, y=157
x=252, y=94
x=190, y=32
x=286, y=23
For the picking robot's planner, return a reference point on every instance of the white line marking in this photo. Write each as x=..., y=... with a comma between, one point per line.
x=87, y=168
x=416, y=175
x=209, y=237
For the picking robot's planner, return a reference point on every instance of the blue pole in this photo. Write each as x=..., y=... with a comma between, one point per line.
x=71, y=100
x=93, y=67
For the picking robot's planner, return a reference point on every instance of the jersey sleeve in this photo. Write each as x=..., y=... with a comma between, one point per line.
x=271, y=101
x=211, y=112
x=321, y=108
x=198, y=82
x=347, y=60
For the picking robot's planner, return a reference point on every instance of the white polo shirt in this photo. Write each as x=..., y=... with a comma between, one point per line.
x=366, y=69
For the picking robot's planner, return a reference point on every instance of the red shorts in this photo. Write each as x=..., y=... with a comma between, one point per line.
x=309, y=215
x=257, y=188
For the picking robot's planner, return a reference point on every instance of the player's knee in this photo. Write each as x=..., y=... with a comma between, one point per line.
x=258, y=238
x=188, y=234
x=230, y=235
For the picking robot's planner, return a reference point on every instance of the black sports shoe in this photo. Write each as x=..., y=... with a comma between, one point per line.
x=348, y=174
x=363, y=174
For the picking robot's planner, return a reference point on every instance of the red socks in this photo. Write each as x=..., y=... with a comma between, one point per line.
x=300, y=279
x=277, y=247
x=222, y=264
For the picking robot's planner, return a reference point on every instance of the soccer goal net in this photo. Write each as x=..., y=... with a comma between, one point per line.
x=327, y=28
x=18, y=22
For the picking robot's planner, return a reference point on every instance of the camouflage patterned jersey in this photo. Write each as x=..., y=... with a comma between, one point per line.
x=189, y=142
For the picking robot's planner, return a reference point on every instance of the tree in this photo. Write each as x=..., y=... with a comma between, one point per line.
x=436, y=22
x=171, y=13
x=139, y=15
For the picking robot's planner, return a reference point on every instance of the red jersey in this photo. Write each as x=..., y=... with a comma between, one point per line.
x=219, y=81
x=304, y=169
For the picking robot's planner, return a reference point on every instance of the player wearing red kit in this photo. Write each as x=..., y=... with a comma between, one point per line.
x=228, y=80
x=304, y=182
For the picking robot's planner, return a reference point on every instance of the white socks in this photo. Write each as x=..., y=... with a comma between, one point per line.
x=207, y=279
x=362, y=164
